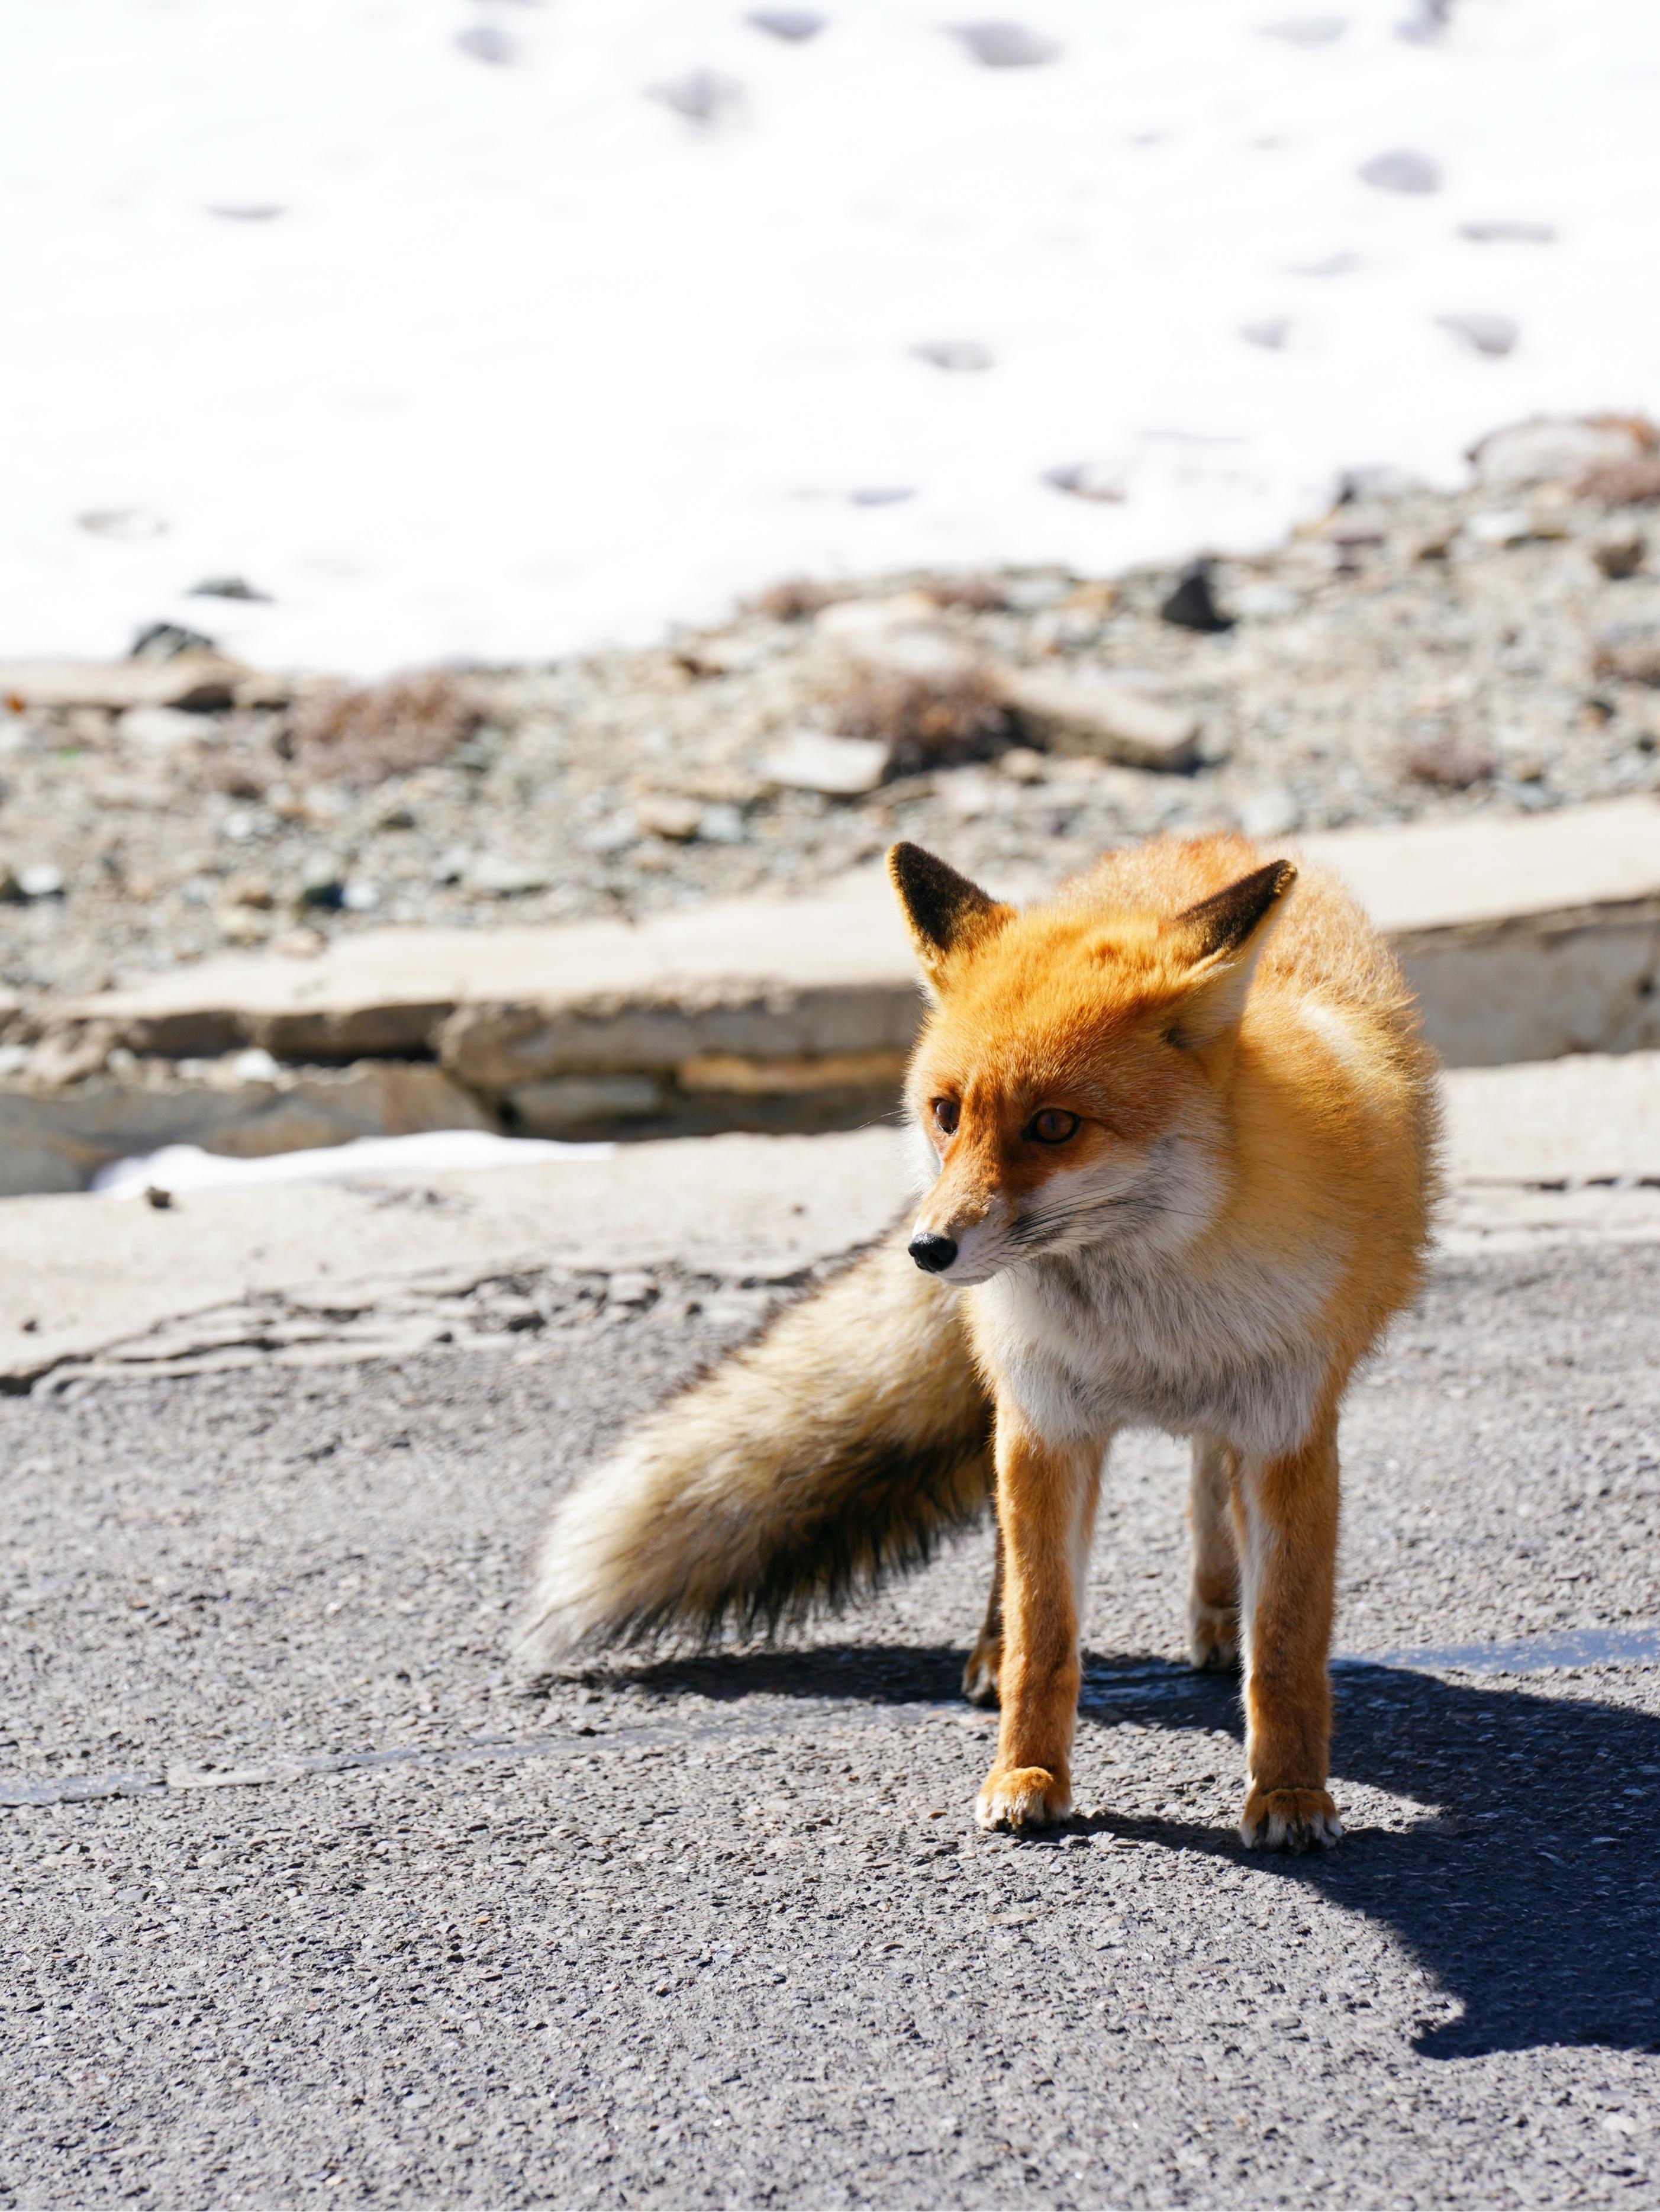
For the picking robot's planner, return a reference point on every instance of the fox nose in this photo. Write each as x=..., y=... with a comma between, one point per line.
x=933, y=1254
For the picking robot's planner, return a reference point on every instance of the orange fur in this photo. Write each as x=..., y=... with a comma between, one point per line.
x=1184, y=1128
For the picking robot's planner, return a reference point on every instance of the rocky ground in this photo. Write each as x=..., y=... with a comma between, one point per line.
x=1411, y=653
x=306, y=1900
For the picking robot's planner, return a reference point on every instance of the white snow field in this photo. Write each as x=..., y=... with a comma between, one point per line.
x=487, y=330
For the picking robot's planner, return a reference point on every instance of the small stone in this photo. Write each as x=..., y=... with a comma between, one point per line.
x=1192, y=605
x=664, y=814
x=966, y=355
x=794, y=25
x=228, y=587
x=131, y=524
x=320, y=887
x=702, y=96
x=1502, y=231
x=41, y=881
x=1510, y=525
x=1493, y=335
x=1021, y=765
x=1401, y=170
x=254, y=1066
x=722, y=825
x=166, y=640
x=495, y=876
x=486, y=42
x=1102, y=480
x=838, y=768
x=250, y=892
x=613, y=835
x=1270, y=813
x=1549, y=449
x=1005, y=46
x=1308, y=30
x=360, y=898
x=158, y=729
x=1101, y=719
x=1264, y=600
x=1620, y=553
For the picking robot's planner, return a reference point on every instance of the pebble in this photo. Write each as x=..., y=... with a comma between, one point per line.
x=1511, y=526
x=1401, y=170
x=839, y=767
x=1265, y=601
x=795, y=25
x=662, y=814
x=1620, y=553
x=1549, y=449
x=1493, y=335
x=1103, y=480
x=1192, y=605
x=159, y=729
x=966, y=355
x=1273, y=811
x=1308, y=30
x=133, y=524
x=486, y=42
x=722, y=825
x=40, y=881
x=1005, y=46
x=1504, y=232
x=1108, y=720
x=702, y=96
x=227, y=587
x=497, y=877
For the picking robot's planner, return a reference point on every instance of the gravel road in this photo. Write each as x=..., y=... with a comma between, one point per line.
x=318, y=1903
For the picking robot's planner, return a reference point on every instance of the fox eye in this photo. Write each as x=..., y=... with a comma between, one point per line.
x=947, y=1113
x=1053, y=1126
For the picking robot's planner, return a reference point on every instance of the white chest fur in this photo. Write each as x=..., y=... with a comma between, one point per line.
x=1112, y=1337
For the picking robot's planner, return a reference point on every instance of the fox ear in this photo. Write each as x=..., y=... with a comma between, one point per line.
x=944, y=912
x=1222, y=938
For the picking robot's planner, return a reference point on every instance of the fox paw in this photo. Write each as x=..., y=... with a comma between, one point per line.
x=1023, y=1797
x=1213, y=1636
x=979, y=1676
x=1288, y=1820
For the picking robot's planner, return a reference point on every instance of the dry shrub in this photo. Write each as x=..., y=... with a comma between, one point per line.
x=1628, y=660
x=1633, y=482
x=1646, y=433
x=794, y=600
x=385, y=729
x=1450, y=763
x=926, y=722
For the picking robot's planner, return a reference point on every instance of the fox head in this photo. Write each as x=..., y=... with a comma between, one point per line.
x=1070, y=1079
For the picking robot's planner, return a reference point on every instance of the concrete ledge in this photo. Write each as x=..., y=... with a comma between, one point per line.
x=1563, y=1153
x=1524, y=940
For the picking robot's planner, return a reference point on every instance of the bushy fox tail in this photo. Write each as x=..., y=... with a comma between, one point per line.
x=838, y=1446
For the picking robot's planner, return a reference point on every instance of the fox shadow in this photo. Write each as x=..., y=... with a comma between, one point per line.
x=1530, y=1889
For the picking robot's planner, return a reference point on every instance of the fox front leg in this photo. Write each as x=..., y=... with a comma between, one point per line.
x=1286, y=1521
x=1046, y=1496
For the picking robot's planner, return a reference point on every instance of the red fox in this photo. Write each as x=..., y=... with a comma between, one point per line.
x=1181, y=1127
